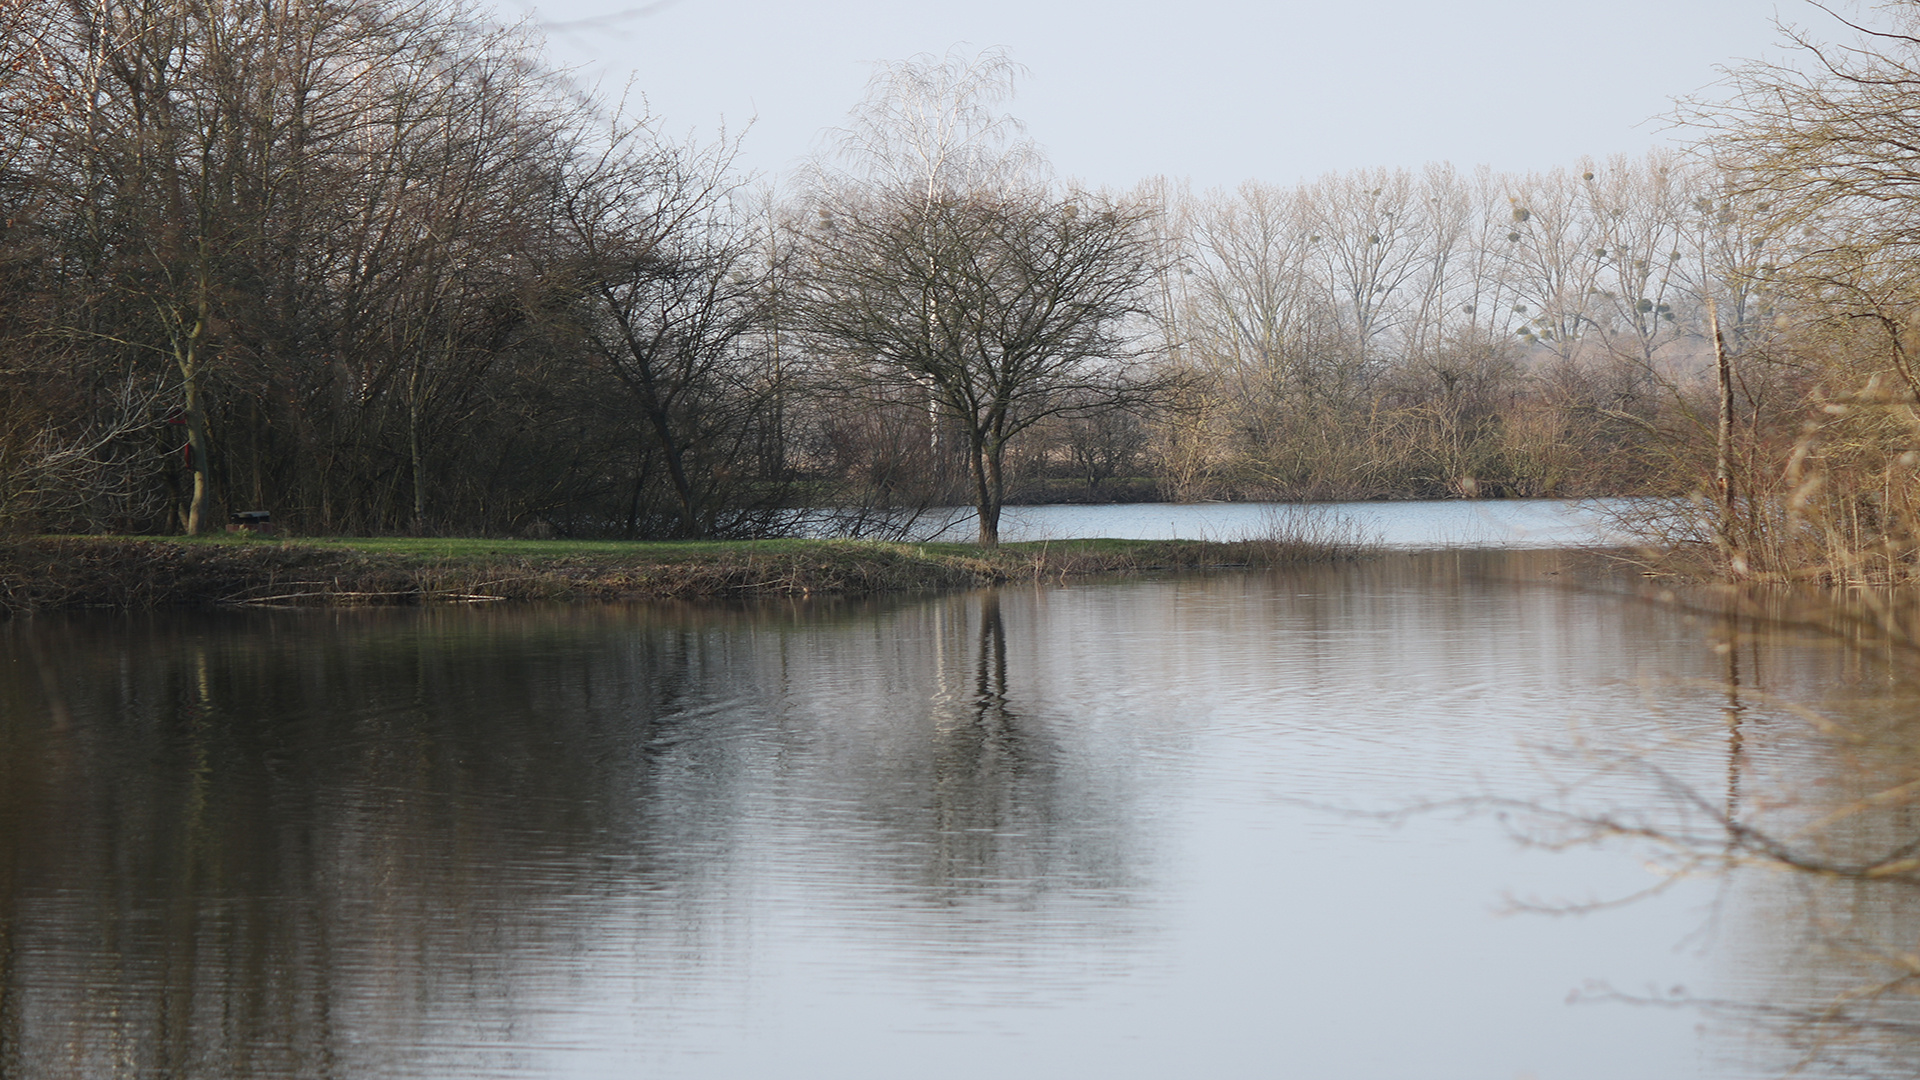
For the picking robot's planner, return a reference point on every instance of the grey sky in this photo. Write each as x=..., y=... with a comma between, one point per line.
x=1215, y=90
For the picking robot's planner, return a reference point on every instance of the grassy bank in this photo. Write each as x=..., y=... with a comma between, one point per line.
x=45, y=573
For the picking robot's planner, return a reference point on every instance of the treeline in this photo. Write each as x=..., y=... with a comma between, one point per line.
x=372, y=267
x=1433, y=334
x=368, y=266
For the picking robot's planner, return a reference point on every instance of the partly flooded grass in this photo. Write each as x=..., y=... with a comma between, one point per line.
x=121, y=572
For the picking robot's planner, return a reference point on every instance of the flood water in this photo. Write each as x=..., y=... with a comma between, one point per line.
x=1406, y=525
x=1236, y=825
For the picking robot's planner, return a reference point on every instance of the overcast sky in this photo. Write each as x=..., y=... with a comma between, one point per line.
x=1217, y=91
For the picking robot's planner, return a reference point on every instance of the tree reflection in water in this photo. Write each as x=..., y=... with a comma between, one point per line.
x=984, y=772
x=1816, y=844
x=241, y=856
x=349, y=843
x=433, y=843
x=1834, y=962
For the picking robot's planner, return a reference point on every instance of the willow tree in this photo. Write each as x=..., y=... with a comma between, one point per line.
x=939, y=259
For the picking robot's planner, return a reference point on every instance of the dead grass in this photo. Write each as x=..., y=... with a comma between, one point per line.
x=112, y=572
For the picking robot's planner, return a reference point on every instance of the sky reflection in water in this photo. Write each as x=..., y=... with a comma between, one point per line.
x=1032, y=832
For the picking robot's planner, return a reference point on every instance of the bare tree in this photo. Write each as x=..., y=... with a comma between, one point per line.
x=1639, y=211
x=1372, y=236
x=1828, y=151
x=1007, y=310
x=1260, y=317
x=1807, y=255
x=666, y=292
x=939, y=258
x=1552, y=260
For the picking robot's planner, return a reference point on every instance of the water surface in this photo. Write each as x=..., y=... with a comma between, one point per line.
x=1410, y=526
x=1105, y=830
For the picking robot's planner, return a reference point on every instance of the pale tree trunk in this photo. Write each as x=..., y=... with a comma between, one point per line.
x=1723, y=444
x=196, y=417
x=187, y=354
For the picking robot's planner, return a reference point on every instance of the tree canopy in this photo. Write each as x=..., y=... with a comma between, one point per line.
x=942, y=260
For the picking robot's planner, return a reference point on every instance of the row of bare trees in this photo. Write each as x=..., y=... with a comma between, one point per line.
x=367, y=265
x=1738, y=323
x=370, y=266
x=1373, y=334
x=1393, y=332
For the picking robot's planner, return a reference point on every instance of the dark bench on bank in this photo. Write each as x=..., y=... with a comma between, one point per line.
x=253, y=521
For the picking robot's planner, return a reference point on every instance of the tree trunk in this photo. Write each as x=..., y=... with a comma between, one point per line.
x=187, y=356
x=671, y=453
x=1723, y=445
x=418, y=462
x=196, y=417
x=989, y=489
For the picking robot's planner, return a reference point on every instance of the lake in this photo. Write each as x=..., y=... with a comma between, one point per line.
x=1339, y=822
x=1412, y=525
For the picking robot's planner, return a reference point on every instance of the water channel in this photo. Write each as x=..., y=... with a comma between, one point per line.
x=1328, y=822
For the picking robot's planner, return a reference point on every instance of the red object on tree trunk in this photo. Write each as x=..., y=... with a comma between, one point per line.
x=186, y=451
